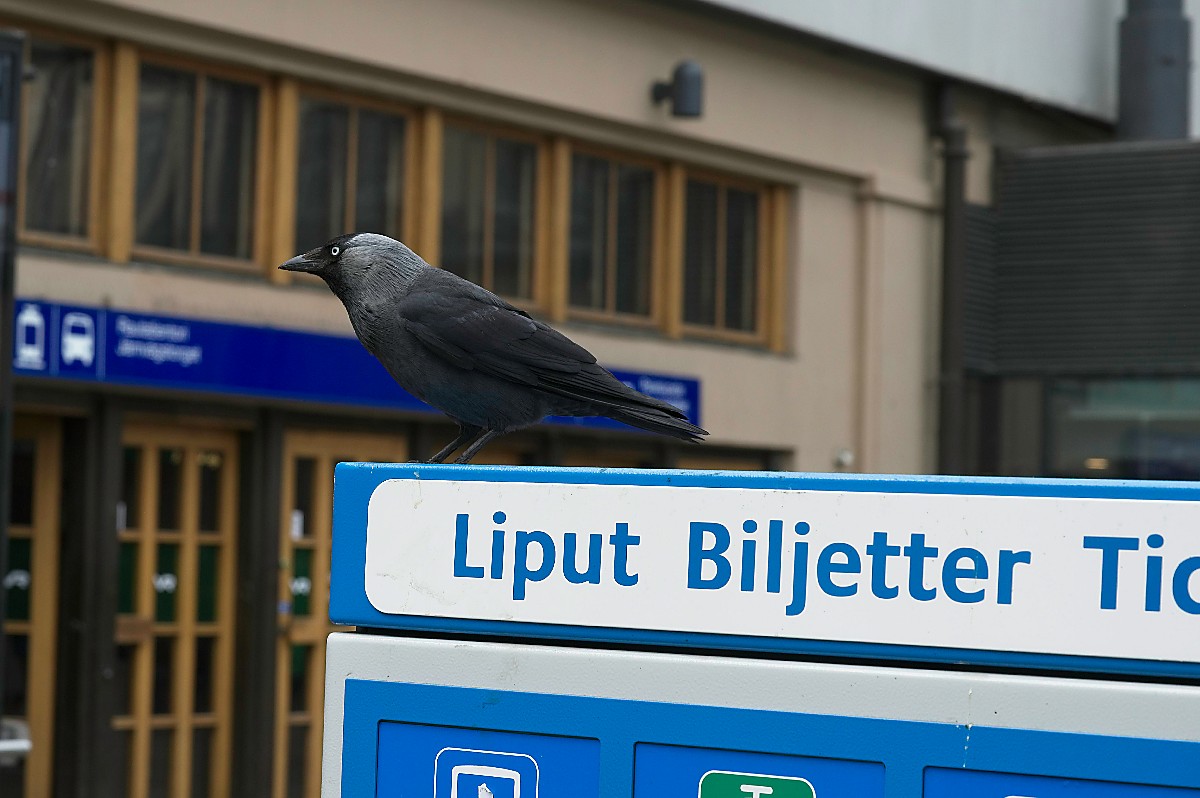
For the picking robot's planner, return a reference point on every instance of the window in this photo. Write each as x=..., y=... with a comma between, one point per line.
x=59, y=106
x=722, y=257
x=351, y=172
x=611, y=259
x=197, y=162
x=488, y=209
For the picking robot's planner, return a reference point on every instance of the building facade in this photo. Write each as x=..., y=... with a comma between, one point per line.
x=181, y=404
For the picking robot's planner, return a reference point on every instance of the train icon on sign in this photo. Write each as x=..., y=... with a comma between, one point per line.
x=467, y=773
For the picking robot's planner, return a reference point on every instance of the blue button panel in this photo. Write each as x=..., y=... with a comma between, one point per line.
x=669, y=771
x=474, y=763
x=401, y=739
x=945, y=783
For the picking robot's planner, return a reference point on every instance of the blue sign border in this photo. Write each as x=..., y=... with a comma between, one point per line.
x=355, y=482
x=905, y=748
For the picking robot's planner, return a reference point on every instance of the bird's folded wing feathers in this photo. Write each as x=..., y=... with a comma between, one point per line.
x=473, y=329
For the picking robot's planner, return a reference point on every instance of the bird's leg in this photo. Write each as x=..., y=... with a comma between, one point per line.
x=466, y=432
x=479, y=443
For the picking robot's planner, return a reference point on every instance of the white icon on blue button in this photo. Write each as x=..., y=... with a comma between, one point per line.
x=467, y=773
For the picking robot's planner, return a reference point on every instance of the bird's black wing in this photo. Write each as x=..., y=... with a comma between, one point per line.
x=474, y=329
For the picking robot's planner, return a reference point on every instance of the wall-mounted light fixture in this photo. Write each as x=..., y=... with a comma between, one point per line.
x=685, y=91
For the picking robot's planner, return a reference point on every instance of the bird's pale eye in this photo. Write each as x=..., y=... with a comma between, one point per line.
x=335, y=250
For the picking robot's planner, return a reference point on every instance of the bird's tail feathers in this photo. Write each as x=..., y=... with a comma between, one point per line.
x=653, y=420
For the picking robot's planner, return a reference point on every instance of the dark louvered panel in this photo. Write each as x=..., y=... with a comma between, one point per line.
x=1099, y=259
x=979, y=328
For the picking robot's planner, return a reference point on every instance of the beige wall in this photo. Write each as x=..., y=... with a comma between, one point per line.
x=852, y=139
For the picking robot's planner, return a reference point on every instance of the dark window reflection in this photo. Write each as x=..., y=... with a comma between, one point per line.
x=700, y=255
x=21, y=483
x=321, y=173
x=589, y=231
x=464, y=176
x=165, y=141
x=379, y=183
x=229, y=164
x=58, y=102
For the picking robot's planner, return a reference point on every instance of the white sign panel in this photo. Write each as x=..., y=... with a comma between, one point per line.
x=1078, y=576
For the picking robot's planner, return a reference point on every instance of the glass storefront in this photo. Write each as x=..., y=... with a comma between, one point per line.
x=1124, y=428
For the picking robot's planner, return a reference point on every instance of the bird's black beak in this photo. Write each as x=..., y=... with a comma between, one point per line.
x=301, y=263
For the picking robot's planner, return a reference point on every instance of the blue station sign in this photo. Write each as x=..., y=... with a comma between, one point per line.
x=103, y=345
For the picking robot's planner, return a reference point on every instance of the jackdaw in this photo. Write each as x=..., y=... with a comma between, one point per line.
x=462, y=349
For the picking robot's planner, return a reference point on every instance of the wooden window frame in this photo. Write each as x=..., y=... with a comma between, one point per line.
x=94, y=240
x=288, y=167
x=127, y=216
x=658, y=273
x=768, y=260
x=539, y=297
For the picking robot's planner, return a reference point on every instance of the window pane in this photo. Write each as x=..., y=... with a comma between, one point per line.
x=379, y=192
x=161, y=743
x=202, y=739
x=464, y=160
x=127, y=569
x=635, y=239
x=301, y=660
x=297, y=759
x=164, y=671
x=16, y=673
x=170, y=478
x=166, y=582
x=211, y=467
x=19, y=579
x=741, y=260
x=229, y=165
x=321, y=173
x=202, y=696
x=302, y=497
x=123, y=680
x=166, y=116
x=512, y=257
x=207, y=590
x=589, y=230
x=20, y=510
x=700, y=255
x=59, y=107
x=128, y=515
x=301, y=584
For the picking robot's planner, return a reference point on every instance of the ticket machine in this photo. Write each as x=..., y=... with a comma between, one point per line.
x=526, y=632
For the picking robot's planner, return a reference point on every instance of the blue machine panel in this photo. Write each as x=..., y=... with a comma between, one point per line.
x=394, y=733
x=668, y=771
x=942, y=783
x=474, y=763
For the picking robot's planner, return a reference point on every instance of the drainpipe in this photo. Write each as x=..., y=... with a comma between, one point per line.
x=952, y=432
x=1155, y=71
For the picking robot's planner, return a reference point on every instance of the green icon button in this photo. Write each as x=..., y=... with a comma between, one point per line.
x=723, y=784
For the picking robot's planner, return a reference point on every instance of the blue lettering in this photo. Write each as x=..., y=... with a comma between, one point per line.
x=879, y=550
x=952, y=571
x=774, y=554
x=521, y=572
x=748, y=547
x=621, y=540
x=698, y=555
x=799, y=573
x=917, y=553
x=460, y=550
x=1179, y=586
x=573, y=575
x=826, y=567
x=1009, y=559
x=1111, y=548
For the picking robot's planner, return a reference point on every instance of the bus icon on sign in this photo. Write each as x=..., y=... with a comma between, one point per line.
x=466, y=773
x=726, y=784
